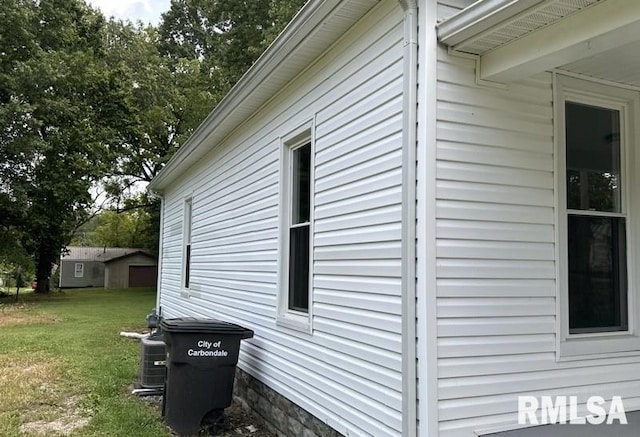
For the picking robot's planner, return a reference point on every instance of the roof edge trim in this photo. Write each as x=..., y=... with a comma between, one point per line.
x=479, y=17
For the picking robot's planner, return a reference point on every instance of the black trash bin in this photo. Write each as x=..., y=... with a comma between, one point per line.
x=201, y=364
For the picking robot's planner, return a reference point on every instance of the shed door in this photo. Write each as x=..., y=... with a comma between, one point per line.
x=142, y=276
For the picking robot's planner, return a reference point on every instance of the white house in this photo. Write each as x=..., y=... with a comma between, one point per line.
x=425, y=211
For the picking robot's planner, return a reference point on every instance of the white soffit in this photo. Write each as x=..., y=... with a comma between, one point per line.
x=489, y=24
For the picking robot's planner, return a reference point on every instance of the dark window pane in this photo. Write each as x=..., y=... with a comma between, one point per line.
x=597, y=274
x=187, y=265
x=187, y=241
x=299, y=268
x=593, y=158
x=300, y=184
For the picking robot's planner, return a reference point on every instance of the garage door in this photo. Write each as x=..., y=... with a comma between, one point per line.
x=143, y=276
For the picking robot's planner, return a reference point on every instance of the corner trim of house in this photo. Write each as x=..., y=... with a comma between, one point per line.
x=409, y=143
x=160, y=237
x=426, y=225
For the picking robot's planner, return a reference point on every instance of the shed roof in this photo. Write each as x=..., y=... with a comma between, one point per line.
x=127, y=255
x=102, y=254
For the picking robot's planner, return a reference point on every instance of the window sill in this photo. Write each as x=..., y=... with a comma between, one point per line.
x=601, y=346
x=297, y=321
x=192, y=291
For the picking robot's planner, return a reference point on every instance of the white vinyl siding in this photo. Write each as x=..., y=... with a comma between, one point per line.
x=347, y=371
x=496, y=258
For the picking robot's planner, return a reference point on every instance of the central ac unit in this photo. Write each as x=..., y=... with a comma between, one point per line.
x=152, y=362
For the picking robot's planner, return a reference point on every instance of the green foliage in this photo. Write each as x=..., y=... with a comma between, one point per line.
x=171, y=79
x=58, y=114
x=225, y=36
x=85, y=102
x=165, y=100
x=135, y=226
x=15, y=275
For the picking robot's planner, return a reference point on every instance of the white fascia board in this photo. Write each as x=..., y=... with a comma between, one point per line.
x=479, y=17
x=594, y=30
x=228, y=115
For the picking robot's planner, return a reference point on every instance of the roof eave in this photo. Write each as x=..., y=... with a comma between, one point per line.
x=479, y=17
x=312, y=15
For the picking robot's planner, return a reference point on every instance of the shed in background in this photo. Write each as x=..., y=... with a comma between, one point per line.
x=92, y=266
x=136, y=269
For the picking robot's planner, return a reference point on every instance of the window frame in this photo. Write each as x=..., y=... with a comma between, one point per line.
x=75, y=271
x=187, y=235
x=299, y=137
x=627, y=102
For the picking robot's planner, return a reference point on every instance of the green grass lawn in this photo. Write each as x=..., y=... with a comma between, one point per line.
x=65, y=370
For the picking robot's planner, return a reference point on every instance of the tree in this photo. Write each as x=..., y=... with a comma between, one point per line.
x=84, y=101
x=16, y=148
x=173, y=77
x=226, y=36
x=59, y=111
x=165, y=100
x=134, y=225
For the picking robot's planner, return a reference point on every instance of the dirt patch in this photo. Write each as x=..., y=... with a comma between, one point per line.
x=23, y=314
x=24, y=382
x=236, y=422
x=32, y=387
x=239, y=422
x=26, y=319
x=70, y=418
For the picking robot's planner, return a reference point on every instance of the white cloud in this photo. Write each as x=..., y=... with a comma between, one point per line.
x=148, y=11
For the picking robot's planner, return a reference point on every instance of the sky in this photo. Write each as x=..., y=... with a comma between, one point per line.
x=148, y=11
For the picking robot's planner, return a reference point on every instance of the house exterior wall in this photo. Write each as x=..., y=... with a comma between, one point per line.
x=93, y=274
x=347, y=371
x=116, y=273
x=496, y=258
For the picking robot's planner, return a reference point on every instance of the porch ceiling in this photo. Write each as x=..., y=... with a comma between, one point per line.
x=621, y=65
x=517, y=38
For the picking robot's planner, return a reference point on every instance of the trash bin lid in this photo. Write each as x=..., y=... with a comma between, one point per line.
x=214, y=326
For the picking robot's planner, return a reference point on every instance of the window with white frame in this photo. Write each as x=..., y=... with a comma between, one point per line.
x=296, y=227
x=186, y=249
x=596, y=133
x=79, y=270
x=299, y=226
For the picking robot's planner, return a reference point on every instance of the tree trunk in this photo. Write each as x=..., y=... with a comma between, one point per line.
x=43, y=274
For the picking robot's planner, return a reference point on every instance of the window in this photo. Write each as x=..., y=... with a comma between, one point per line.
x=296, y=214
x=79, y=270
x=596, y=127
x=596, y=220
x=186, y=263
x=299, y=225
